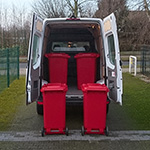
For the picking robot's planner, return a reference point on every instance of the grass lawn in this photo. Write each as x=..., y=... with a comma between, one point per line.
x=10, y=99
x=136, y=101
x=3, y=82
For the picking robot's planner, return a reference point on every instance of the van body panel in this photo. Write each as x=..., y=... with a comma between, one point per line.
x=32, y=73
x=112, y=56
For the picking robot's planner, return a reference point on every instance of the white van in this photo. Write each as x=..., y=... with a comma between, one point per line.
x=100, y=36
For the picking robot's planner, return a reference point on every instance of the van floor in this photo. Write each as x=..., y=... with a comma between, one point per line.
x=73, y=90
x=73, y=93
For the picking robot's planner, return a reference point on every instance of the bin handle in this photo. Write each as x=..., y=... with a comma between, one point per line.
x=57, y=55
x=80, y=55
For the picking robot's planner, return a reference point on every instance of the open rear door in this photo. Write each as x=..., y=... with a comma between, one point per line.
x=112, y=56
x=32, y=72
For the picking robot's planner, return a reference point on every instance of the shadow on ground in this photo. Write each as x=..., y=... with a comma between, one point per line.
x=28, y=120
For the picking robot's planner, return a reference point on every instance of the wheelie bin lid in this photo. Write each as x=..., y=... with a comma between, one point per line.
x=86, y=55
x=54, y=87
x=94, y=87
x=62, y=55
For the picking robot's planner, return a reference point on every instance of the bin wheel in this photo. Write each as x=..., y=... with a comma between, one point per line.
x=82, y=131
x=67, y=131
x=106, y=131
x=43, y=132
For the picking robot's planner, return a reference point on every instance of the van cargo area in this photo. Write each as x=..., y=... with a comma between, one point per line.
x=73, y=51
x=73, y=37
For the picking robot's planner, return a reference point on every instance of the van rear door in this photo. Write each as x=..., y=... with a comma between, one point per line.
x=32, y=72
x=112, y=56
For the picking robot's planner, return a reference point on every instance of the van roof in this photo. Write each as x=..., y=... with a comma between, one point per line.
x=90, y=20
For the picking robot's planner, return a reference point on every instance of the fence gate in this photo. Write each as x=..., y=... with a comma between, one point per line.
x=133, y=64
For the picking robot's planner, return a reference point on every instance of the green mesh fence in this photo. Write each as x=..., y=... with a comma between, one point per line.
x=145, y=60
x=9, y=66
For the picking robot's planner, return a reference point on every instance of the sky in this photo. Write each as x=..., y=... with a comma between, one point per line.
x=7, y=5
x=21, y=3
x=17, y=3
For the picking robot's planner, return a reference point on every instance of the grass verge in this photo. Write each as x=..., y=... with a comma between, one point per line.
x=136, y=101
x=10, y=99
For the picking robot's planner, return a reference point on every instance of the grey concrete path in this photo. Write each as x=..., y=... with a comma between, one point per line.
x=75, y=135
x=76, y=145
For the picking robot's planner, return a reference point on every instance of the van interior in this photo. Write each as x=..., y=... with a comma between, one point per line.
x=73, y=37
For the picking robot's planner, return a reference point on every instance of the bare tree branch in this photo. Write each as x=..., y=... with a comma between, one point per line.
x=60, y=8
x=147, y=9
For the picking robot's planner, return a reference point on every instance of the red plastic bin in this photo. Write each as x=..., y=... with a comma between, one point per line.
x=86, y=68
x=54, y=108
x=94, y=108
x=58, y=67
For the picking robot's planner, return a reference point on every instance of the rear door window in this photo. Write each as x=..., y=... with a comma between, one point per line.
x=70, y=46
x=35, y=49
x=111, y=49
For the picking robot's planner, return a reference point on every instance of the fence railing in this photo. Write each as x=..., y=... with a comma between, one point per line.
x=9, y=66
x=145, y=60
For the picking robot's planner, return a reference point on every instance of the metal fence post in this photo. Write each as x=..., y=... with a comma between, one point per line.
x=8, y=78
x=17, y=62
x=142, y=61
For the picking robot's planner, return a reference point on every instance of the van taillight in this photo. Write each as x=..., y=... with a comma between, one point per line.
x=40, y=102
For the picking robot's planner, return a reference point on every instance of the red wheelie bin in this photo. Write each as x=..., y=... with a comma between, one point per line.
x=86, y=68
x=54, y=108
x=58, y=67
x=94, y=109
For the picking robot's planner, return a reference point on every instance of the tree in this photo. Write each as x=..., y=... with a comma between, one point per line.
x=106, y=7
x=146, y=6
x=14, y=28
x=140, y=23
x=133, y=25
x=119, y=7
x=64, y=8
x=50, y=8
x=81, y=7
x=143, y=5
x=1, y=29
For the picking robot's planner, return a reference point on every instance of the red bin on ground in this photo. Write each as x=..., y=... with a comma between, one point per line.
x=94, y=108
x=86, y=68
x=58, y=67
x=54, y=108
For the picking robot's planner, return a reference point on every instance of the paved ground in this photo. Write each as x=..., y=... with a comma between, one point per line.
x=74, y=135
x=28, y=120
x=25, y=132
x=76, y=145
